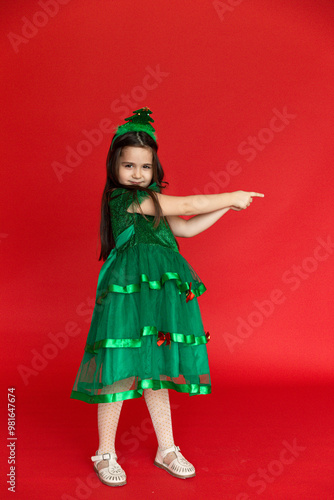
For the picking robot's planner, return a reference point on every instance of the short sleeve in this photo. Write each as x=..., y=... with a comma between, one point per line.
x=142, y=195
x=121, y=198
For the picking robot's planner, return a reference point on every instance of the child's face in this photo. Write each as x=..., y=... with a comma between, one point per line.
x=135, y=166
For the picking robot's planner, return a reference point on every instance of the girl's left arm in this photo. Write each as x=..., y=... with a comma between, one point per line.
x=195, y=225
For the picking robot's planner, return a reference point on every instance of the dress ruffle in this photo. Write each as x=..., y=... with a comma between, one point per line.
x=155, y=285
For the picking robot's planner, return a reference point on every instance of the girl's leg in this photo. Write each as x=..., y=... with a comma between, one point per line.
x=159, y=407
x=108, y=416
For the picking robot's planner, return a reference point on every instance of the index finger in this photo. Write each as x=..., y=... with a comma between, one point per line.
x=257, y=194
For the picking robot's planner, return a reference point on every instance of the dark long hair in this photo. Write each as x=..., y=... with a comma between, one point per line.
x=136, y=139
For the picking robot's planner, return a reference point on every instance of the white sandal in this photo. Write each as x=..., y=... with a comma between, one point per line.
x=108, y=470
x=179, y=467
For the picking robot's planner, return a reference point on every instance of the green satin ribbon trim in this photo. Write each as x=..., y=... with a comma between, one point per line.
x=147, y=330
x=192, y=389
x=154, y=285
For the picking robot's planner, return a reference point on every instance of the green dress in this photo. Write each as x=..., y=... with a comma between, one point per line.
x=146, y=330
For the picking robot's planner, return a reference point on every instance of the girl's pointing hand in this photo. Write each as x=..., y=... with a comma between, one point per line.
x=242, y=199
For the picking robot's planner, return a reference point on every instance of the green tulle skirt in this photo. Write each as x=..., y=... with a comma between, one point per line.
x=146, y=329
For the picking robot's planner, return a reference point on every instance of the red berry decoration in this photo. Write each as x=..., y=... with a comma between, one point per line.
x=190, y=294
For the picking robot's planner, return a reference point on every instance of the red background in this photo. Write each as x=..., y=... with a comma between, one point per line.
x=223, y=74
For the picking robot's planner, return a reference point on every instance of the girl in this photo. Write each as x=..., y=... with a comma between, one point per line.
x=146, y=335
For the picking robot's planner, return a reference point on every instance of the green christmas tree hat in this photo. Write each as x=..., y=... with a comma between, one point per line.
x=139, y=122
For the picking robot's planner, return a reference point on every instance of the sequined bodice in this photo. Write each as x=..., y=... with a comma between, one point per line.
x=144, y=233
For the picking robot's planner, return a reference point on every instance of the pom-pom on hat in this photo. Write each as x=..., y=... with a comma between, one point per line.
x=139, y=122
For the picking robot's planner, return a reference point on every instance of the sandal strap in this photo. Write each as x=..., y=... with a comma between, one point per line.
x=104, y=456
x=173, y=448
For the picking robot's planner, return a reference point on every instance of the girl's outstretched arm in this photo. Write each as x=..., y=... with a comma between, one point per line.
x=197, y=224
x=185, y=205
x=197, y=203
